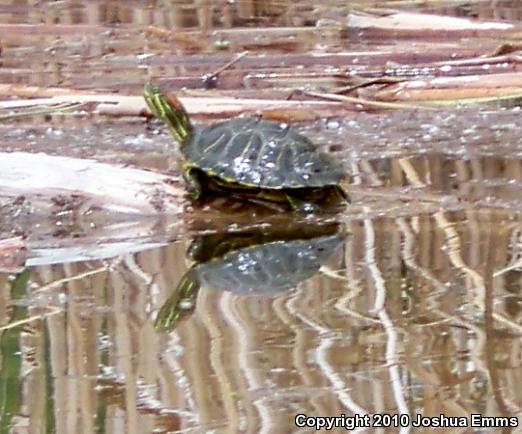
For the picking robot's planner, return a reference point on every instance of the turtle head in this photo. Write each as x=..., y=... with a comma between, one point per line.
x=179, y=305
x=169, y=109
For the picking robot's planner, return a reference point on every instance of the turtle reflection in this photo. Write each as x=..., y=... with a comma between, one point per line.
x=257, y=262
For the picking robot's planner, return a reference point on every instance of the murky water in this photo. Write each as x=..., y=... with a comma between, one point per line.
x=407, y=302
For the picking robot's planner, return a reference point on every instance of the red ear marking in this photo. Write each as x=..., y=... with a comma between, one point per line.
x=174, y=101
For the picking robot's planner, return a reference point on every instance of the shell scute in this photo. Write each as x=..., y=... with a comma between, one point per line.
x=261, y=154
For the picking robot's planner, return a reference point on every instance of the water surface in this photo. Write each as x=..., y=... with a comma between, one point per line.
x=416, y=309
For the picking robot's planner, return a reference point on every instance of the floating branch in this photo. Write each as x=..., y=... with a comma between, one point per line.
x=77, y=185
x=482, y=88
x=411, y=24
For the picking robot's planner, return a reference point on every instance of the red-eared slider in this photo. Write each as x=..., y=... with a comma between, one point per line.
x=253, y=262
x=251, y=158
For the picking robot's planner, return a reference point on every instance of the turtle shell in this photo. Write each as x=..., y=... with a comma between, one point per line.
x=267, y=268
x=262, y=154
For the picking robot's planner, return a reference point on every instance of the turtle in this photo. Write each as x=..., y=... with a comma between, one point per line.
x=252, y=262
x=258, y=160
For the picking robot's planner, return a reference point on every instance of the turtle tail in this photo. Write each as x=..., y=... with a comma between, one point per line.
x=169, y=109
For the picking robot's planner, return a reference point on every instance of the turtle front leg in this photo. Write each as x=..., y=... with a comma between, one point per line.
x=194, y=185
x=341, y=194
x=301, y=206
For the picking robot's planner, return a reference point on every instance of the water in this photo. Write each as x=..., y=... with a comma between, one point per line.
x=412, y=306
x=405, y=312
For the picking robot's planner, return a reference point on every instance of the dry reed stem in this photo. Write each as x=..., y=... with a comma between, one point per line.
x=105, y=268
x=53, y=311
x=365, y=102
x=30, y=91
x=117, y=105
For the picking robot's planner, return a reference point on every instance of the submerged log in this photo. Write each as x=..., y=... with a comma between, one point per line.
x=68, y=209
x=110, y=237
x=60, y=184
